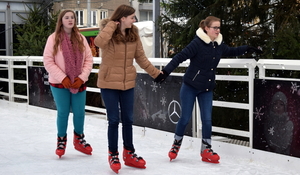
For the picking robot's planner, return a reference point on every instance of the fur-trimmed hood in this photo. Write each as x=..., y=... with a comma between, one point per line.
x=203, y=36
x=103, y=23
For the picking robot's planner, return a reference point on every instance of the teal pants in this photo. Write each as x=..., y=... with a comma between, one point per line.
x=66, y=101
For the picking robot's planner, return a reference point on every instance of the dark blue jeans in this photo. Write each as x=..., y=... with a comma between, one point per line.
x=119, y=102
x=188, y=95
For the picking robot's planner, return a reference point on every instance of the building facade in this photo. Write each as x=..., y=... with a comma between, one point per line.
x=9, y=11
x=96, y=9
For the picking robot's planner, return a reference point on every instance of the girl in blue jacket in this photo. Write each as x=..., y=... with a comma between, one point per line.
x=204, y=52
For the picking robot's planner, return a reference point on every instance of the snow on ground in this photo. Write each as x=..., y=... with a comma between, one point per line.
x=28, y=137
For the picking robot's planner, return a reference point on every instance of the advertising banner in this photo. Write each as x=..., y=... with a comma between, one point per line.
x=158, y=105
x=276, y=118
x=90, y=34
x=39, y=88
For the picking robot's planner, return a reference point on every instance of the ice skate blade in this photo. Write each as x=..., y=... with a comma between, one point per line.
x=60, y=153
x=116, y=171
x=172, y=159
x=115, y=167
x=210, y=161
x=141, y=167
x=172, y=156
x=88, y=153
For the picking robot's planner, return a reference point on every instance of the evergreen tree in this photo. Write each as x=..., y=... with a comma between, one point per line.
x=32, y=37
x=284, y=42
x=33, y=34
x=271, y=24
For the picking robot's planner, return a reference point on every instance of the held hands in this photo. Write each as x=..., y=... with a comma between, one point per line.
x=161, y=77
x=252, y=49
x=77, y=83
x=66, y=82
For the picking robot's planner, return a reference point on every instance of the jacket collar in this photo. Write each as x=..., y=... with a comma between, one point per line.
x=203, y=36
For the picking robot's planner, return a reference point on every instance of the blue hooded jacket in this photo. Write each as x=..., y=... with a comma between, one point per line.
x=204, y=56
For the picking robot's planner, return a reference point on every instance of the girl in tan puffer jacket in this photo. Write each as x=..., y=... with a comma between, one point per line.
x=120, y=44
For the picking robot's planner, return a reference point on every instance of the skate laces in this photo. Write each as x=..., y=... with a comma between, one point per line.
x=133, y=155
x=175, y=148
x=61, y=143
x=209, y=150
x=82, y=141
x=176, y=145
x=114, y=158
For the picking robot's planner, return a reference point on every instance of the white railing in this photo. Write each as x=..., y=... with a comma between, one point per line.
x=250, y=65
x=9, y=63
x=270, y=64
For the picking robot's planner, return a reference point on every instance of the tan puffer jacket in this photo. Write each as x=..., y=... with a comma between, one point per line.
x=116, y=69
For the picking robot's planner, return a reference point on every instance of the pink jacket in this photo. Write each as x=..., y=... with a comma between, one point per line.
x=55, y=66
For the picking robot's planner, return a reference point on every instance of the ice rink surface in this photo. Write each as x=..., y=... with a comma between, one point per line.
x=28, y=145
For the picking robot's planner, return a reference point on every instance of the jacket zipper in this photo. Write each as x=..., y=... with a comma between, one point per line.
x=125, y=65
x=196, y=75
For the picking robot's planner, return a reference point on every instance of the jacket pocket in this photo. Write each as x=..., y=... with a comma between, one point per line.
x=107, y=74
x=114, y=74
x=196, y=75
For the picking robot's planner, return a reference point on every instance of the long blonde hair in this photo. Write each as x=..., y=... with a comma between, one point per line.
x=76, y=38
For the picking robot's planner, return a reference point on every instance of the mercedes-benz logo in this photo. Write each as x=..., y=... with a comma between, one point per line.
x=174, y=110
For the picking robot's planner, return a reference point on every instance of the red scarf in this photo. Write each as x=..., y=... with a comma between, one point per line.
x=73, y=59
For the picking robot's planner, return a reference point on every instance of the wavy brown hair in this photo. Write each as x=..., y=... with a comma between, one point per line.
x=76, y=38
x=131, y=33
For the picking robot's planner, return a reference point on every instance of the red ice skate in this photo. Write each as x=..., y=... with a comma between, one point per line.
x=131, y=159
x=61, y=146
x=209, y=156
x=81, y=145
x=175, y=149
x=114, y=162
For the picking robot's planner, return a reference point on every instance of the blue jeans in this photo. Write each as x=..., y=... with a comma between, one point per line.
x=119, y=102
x=188, y=95
x=64, y=101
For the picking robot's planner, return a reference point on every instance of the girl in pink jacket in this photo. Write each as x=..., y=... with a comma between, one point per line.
x=68, y=60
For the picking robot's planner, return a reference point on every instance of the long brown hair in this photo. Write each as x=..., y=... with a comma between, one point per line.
x=207, y=22
x=131, y=33
x=76, y=39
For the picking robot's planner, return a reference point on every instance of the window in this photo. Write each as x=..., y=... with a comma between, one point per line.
x=93, y=18
x=2, y=39
x=146, y=15
x=79, y=15
x=2, y=36
x=103, y=14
